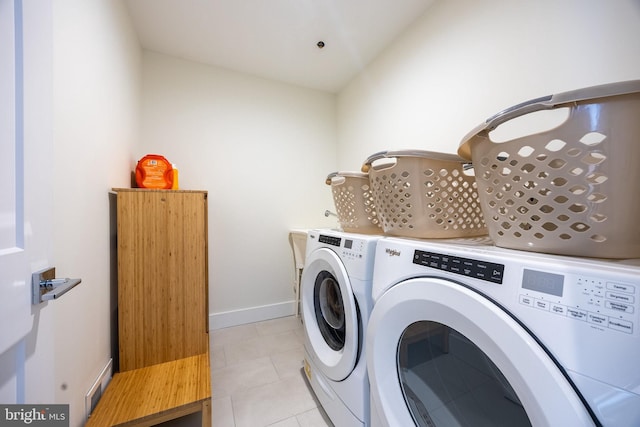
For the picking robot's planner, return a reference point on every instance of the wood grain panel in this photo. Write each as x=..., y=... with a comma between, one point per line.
x=162, y=276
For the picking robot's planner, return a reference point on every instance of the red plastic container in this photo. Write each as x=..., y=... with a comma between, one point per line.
x=154, y=171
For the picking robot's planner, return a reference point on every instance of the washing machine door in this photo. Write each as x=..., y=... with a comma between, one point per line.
x=329, y=313
x=441, y=354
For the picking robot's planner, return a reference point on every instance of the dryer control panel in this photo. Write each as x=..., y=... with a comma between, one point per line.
x=605, y=303
x=474, y=268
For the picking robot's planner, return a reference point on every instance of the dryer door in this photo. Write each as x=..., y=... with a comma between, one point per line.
x=330, y=315
x=440, y=354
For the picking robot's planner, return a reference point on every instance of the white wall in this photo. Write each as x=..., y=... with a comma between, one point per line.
x=262, y=150
x=465, y=60
x=96, y=66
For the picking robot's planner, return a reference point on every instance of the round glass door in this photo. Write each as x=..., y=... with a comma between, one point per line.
x=330, y=315
x=329, y=309
x=446, y=380
x=438, y=354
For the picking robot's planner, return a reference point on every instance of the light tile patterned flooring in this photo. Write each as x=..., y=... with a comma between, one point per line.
x=257, y=378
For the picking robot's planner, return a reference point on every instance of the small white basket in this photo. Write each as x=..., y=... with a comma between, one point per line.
x=354, y=203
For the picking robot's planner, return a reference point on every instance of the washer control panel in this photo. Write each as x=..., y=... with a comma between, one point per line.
x=608, y=304
x=355, y=250
x=348, y=248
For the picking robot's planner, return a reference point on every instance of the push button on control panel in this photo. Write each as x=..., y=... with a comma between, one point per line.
x=616, y=306
x=621, y=287
x=614, y=296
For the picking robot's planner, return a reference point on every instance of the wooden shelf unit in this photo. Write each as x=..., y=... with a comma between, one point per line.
x=163, y=331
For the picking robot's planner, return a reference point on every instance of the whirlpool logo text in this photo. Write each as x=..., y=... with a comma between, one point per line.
x=392, y=252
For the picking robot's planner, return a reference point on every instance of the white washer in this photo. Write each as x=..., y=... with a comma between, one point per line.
x=466, y=334
x=336, y=303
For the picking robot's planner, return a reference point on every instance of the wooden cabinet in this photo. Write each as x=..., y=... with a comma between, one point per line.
x=162, y=276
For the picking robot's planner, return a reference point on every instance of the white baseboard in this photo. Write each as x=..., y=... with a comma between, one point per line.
x=249, y=315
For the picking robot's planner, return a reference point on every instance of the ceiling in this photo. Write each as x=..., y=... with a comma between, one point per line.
x=276, y=39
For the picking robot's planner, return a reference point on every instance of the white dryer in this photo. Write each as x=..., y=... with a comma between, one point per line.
x=474, y=335
x=336, y=303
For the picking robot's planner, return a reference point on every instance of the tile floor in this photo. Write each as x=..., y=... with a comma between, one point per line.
x=257, y=377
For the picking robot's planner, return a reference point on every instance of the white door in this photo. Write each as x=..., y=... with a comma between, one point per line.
x=25, y=177
x=440, y=354
x=330, y=314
